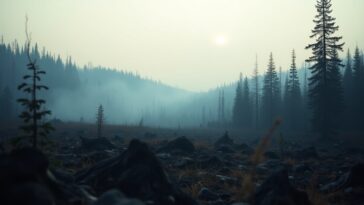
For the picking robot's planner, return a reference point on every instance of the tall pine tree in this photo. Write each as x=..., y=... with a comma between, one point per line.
x=325, y=88
x=256, y=93
x=293, y=96
x=271, y=94
x=348, y=91
x=358, y=84
x=246, y=105
x=100, y=120
x=238, y=103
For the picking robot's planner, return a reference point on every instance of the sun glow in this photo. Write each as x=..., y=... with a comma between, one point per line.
x=220, y=40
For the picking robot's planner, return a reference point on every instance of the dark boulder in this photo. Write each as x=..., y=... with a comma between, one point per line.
x=244, y=148
x=63, y=176
x=25, y=179
x=137, y=173
x=115, y=197
x=179, y=145
x=207, y=195
x=352, y=178
x=276, y=190
x=183, y=162
x=29, y=194
x=224, y=140
x=212, y=162
x=301, y=168
x=226, y=149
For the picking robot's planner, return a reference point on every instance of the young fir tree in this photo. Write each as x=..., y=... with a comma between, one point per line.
x=33, y=114
x=325, y=88
x=238, y=103
x=293, y=96
x=100, y=120
x=271, y=94
x=246, y=105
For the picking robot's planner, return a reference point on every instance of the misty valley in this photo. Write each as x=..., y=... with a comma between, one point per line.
x=73, y=134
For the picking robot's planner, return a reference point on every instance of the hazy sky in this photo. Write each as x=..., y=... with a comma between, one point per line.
x=192, y=44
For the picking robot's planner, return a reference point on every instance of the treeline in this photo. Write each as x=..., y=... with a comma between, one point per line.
x=13, y=59
x=331, y=98
x=75, y=92
x=328, y=99
x=257, y=103
x=276, y=94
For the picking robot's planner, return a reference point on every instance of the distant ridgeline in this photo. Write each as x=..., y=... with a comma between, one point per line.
x=75, y=93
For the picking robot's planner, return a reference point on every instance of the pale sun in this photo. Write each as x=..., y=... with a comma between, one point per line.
x=220, y=40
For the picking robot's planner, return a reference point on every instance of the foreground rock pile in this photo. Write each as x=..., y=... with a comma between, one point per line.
x=176, y=172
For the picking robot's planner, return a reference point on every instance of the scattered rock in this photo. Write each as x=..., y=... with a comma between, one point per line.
x=217, y=202
x=353, y=178
x=138, y=174
x=96, y=156
x=245, y=149
x=183, y=162
x=212, y=162
x=224, y=140
x=276, y=190
x=63, y=176
x=118, y=139
x=227, y=179
x=271, y=165
x=226, y=149
x=115, y=197
x=179, y=145
x=163, y=155
x=307, y=153
x=149, y=135
x=271, y=155
x=301, y=168
x=96, y=144
x=25, y=179
x=224, y=171
x=207, y=195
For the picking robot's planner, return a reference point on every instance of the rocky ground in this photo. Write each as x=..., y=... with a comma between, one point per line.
x=183, y=170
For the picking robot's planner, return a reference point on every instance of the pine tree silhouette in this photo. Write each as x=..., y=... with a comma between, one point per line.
x=33, y=113
x=238, y=103
x=325, y=82
x=100, y=120
x=271, y=93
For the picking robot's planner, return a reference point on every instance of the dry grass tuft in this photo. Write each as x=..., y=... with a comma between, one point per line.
x=258, y=155
x=248, y=186
x=203, y=179
x=193, y=190
x=86, y=162
x=315, y=197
